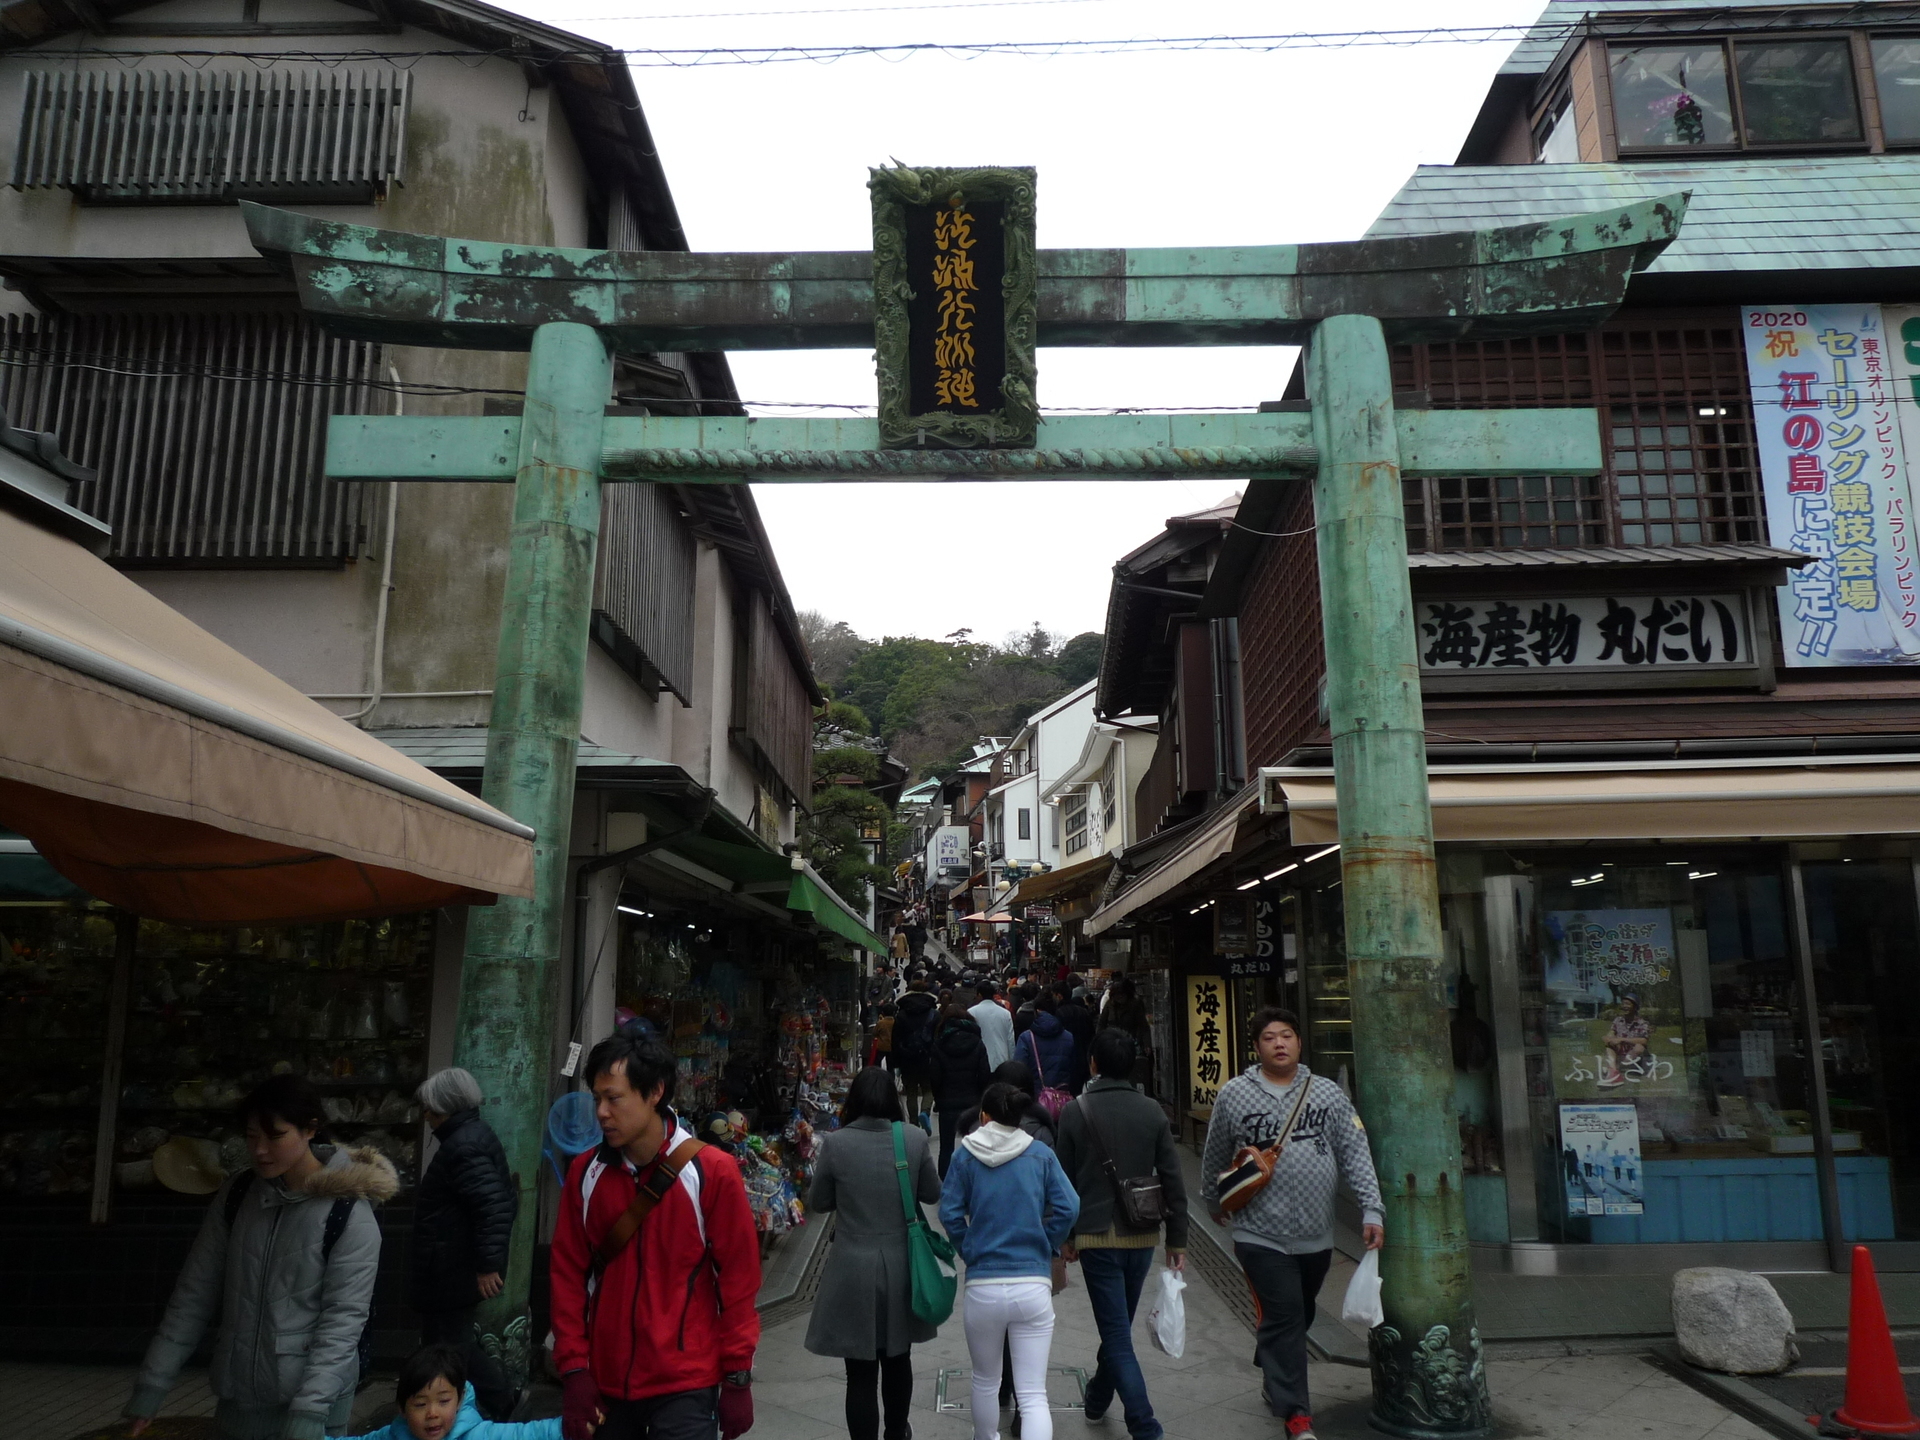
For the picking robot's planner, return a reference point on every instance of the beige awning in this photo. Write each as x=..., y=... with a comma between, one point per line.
x=1068, y=880
x=160, y=769
x=1684, y=800
x=1212, y=842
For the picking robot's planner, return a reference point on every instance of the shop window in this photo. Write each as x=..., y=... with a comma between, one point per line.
x=1797, y=92
x=1781, y=94
x=1866, y=978
x=1896, y=75
x=1678, y=437
x=1671, y=95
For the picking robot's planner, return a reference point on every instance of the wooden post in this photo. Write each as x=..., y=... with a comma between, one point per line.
x=126, y=934
x=1428, y=1379
x=507, y=981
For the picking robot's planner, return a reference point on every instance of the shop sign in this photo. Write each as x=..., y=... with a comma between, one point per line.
x=1273, y=941
x=1620, y=1024
x=1207, y=1024
x=948, y=852
x=1232, y=927
x=1835, y=470
x=1600, y=1160
x=1582, y=632
x=1039, y=914
x=955, y=286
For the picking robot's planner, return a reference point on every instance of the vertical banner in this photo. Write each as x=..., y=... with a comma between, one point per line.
x=1903, y=365
x=1600, y=1160
x=1207, y=1049
x=1835, y=473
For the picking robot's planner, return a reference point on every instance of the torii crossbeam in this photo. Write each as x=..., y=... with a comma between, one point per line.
x=1346, y=302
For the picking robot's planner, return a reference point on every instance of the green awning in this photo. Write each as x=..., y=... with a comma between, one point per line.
x=807, y=893
x=829, y=910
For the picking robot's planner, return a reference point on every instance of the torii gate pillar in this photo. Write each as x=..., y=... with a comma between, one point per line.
x=1427, y=1373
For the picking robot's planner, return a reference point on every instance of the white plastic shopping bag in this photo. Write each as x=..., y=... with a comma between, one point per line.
x=1362, y=1305
x=1168, y=1322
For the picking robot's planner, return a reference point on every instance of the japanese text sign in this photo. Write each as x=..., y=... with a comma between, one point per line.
x=955, y=277
x=1646, y=632
x=1835, y=472
x=1208, y=1024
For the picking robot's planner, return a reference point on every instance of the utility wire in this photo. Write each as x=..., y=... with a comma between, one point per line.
x=937, y=9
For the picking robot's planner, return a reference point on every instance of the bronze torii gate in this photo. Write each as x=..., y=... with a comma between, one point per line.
x=1345, y=302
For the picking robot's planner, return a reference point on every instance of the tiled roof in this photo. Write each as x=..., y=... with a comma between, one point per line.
x=1606, y=557
x=1834, y=212
x=1537, y=51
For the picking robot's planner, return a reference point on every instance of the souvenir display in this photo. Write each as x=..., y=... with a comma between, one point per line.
x=56, y=963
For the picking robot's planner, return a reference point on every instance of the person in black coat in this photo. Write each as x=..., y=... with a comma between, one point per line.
x=1080, y=1024
x=960, y=1074
x=464, y=1211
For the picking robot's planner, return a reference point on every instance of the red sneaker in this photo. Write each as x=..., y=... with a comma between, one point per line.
x=1300, y=1427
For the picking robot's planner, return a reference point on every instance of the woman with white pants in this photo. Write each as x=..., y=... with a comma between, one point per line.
x=1008, y=1206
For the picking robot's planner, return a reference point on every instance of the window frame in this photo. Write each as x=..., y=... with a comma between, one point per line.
x=1869, y=125
x=1887, y=143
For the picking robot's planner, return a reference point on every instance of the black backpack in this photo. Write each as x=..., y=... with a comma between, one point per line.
x=338, y=1214
x=915, y=1041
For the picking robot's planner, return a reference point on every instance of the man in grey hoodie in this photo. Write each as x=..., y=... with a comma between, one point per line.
x=1284, y=1236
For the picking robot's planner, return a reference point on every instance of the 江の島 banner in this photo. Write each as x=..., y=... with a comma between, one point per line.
x=1825, y=383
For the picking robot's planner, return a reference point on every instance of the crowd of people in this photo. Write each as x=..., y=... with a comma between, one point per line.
x=1050, y=1153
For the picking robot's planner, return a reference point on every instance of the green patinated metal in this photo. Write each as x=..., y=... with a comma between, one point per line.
x=1012, y=420
x=1096, y=447
x=1351, y=301
x=507, y=981
x=431, y=290
x=1428, y=1376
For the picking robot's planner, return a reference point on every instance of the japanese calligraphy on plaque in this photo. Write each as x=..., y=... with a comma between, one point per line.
x=1208, y=1024
x=954, y=273
x=1585, y=632
x=1834, y=465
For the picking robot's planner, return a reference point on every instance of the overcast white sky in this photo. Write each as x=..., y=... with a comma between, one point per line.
x=1202, y=148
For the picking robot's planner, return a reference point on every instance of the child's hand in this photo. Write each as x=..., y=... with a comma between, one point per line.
x=491, y=1285
x=139, y=1426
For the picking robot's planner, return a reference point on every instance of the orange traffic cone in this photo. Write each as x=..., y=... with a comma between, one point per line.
x=1876, y=1401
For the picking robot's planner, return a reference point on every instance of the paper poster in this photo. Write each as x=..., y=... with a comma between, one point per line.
x=1618, y=1022
x=1600, y=1160
x=1756, y=1054
x=1835, y=473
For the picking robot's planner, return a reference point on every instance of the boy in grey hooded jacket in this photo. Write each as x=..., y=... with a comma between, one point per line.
x=1284, y=1236
x=290, y=1307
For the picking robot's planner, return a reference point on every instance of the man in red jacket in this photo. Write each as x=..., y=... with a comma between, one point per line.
x=653, y=1326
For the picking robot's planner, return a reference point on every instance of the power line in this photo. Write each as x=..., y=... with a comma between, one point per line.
x=831, y=10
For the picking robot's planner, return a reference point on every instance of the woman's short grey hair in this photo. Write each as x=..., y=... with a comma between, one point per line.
x=449, y=1091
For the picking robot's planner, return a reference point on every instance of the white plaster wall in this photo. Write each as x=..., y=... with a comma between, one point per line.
x=1062, y=735
x=619, y=713
x=312, y=628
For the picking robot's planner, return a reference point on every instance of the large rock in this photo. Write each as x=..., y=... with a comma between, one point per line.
x=1732, y=1321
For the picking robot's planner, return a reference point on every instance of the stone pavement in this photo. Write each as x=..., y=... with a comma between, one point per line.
x=1212, y=1393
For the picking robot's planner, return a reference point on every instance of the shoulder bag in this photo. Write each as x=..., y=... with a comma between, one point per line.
x=1253, y=1166
x=647, y=1195
x=1140, y=1200
x=1051, y=1097
x=929, y=1254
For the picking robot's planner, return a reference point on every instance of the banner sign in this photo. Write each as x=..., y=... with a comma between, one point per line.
x=1207, y=1024
x=1835, y=472
x=1600, y=1160
x=1620, y=1023
x=949, y=851
x=955, y=287
x=1584, y=632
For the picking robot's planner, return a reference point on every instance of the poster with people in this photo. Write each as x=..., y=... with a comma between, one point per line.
x=1618, y=1023
x=1600, y=1160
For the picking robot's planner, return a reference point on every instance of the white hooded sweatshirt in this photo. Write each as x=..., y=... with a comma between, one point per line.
x=995, y=1144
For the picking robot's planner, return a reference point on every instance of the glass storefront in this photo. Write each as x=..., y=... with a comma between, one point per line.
x=1631, y=1044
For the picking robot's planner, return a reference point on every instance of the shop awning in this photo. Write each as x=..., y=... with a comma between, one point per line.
x=1696, y=799
x=1213, y=841
x=1055, y=884
x=161, y=770
x=743, y=869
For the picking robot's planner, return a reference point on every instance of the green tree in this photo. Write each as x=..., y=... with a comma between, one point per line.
x=1079, y=659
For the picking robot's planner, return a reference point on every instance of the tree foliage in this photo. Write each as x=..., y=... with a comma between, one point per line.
x=930, y=699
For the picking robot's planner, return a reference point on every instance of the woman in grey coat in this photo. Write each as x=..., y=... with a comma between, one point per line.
x=864, y=1311
x=285, y=1259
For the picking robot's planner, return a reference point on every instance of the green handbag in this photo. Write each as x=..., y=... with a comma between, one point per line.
x=930, y=1254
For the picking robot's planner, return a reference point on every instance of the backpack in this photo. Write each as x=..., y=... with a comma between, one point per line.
x=915, y=1041
x=338, y=1214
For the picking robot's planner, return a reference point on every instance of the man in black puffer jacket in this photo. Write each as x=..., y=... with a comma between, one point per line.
x=463, y=1219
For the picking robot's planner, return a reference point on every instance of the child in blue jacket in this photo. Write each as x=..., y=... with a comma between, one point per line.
x=1008, y=1206
x=436, y=1403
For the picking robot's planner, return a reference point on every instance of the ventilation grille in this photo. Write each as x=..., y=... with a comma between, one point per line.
x=159, y=137
x=209, y=431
